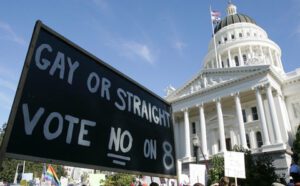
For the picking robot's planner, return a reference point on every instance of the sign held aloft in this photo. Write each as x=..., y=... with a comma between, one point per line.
x=234, y=164
x=74, y=109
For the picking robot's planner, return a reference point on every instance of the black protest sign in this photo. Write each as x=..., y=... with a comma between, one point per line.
x=74, y=109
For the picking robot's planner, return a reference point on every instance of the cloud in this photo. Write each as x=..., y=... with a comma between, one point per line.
x=134, y=49
x=6, y=100
x=103, y=5
x=7, y=84
x=175, y=36
x=8, y=33
x=296, y=32
x=8, y=73
x=141, y=50
x=179, y=45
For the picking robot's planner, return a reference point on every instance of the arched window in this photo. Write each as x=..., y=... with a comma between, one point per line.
x=236, y=60
x=228, y=64
x=248, y=141
x=222, y=64
x=240, y=34
x=259, y=139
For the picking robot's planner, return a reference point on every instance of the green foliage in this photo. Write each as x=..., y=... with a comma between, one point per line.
x=118, y=179
x=259, y=170
x=8, y=169
x=216, y=172
x=296, y=145
x=2, y=131
x=60, y=171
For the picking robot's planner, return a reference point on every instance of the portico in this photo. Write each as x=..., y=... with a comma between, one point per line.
x=224, y=121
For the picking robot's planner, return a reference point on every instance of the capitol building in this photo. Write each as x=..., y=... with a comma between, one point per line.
x=241, y=96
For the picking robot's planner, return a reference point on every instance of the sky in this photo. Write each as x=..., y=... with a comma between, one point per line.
x=155, y=42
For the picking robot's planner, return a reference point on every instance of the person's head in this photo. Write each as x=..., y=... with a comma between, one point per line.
x=198, y=184
x=153, y=184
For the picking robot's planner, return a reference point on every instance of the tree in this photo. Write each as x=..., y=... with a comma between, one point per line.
x=259, y=169
x=296, y=146
x=216, y=172
x=2, y=131
x=118, y=179
x=8, y=168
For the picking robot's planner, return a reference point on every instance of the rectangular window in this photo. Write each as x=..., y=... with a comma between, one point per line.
x=194, y=128
x=244, y=116
x=254, y=113
x=232, y=36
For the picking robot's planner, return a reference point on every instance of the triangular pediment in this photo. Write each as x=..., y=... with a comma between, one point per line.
x=209, y=78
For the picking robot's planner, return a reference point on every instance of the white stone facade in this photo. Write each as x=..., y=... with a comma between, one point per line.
x=242, y=98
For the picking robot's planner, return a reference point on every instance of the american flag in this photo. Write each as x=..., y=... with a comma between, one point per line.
x=215, y=16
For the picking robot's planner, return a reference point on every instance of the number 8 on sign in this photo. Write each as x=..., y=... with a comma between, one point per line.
x=168, y=159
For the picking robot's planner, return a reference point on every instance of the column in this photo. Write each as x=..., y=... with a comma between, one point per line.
x=271, y=57
x=187, y=133
x=240, y=120
x=262, y=117
x=204, y=81
x=251, y=51
x=220, y=61
x=252, y=140
x=285, y=120
x=274, y=118
x=212, y=63
x=285, y=113
x=262, y=54
x=280, y=62
x=241, y=57
x=233, y=138
x=229, y=58
x=176, y=133
x=221, y=125
x=203, y=130
x=214, y=142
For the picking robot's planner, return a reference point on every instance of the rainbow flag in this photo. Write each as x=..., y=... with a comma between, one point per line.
x=51, y=176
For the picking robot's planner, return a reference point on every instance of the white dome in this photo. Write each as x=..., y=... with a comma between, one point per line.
x=240, y=42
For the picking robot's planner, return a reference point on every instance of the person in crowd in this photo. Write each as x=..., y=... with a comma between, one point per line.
x=198, y=184
x=154, y=184
x=295, y=171
x=291, y=182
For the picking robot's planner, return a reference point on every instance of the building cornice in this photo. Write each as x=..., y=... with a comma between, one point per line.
x=254, y=71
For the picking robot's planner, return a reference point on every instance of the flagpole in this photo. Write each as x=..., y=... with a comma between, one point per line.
x=215, y=46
